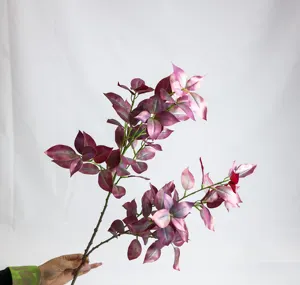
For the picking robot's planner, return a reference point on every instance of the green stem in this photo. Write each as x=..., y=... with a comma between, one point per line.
x=204, y=188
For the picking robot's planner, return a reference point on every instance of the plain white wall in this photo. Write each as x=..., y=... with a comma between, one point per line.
x=56, y=59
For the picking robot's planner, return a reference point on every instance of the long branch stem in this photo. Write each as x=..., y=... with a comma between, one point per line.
x=85, y=255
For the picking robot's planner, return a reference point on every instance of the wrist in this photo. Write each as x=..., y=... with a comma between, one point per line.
x=25, y=275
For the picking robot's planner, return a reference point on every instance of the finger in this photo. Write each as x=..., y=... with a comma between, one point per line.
x=87, y=268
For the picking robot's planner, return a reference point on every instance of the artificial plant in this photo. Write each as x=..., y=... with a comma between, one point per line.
x=146, y=121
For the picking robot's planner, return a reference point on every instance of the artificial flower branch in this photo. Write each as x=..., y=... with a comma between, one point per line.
x=163, y=213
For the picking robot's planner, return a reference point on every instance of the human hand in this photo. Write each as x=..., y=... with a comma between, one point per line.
x=59, y=271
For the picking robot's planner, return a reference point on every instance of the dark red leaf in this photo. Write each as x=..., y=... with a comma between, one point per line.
x=164, y=134
x=118, y=191
x=147, y=203
x=119, y=136
x=178, y=240
x=140, y=226
x=102, y=153
x=105, y=180
x=169, y=187
x=155, y=146
x=159, y=199
x=139, y=166
x=64, y=164
x=88, y=140
x=117, y=227
x=125, y=87
x=131, y=208
x=182, y=209
x=146, y=153
x=79, y=142
x=153, y=253
x=89, y=168
x=166, y=118
x=139, y=176
x=121, y=170
x=176, y=258
x=175, y=196
x=75, y=166
x=163, y=84
x=134, y=249
x=137, y=83
x=187, y=110
x=234, y=177
x=130, y=220
x=168, y=201
x=179, y=224
x=154, y=128
x=143, y=116
x=61, y=153
x=215, y=203
x=164, y=95
x=122, y=112
x=88, y=153
x=114, y=159
x=114, y=122
x=166, y=235
x=115, y=99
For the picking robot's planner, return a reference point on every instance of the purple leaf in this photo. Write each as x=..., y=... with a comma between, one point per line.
x=125, y=87
x=194, y=83
x=159, y=199
x=178, y=113
x=143, y=116
x=75, y=166
x=198, y=105
x=140, y=226
x=131, y=208
x=186, y=109
x=134, y=249
x=182, y=209
x=164, y=95
x=164, y=134
x=137, y=83
x=163, y=84
x=119, y=136
x=117, y=227
x=155, y=146
x=168, y=201
x=88, y=140
x=64, y=164
x=114, y=159
x=88, y=153
x=146, y=153
x=105, y=180
x=187, y=179
x=207, y=218
x=79, y=142
x=245, y=169
x=118, y=191
x=103, y=152
x=121, y=170
x=226, y=193
x=215, y=203
x=176, y=258
x=169, y=187
x=178, y=240
x=154, y=128
x=147, y=203
x=179, y=224
x=130, y=220
x=166, y=235
x=114, y=122
x=139, y=166
x=153, y=252
x=175, y=196
x=61, y=153
x=115, y=99
x=89, y=168
x=122, y=112
x=166, y=118
x=162, y=218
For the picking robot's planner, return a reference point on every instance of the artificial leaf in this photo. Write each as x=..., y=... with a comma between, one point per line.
x=176, y=258
x=162, y=218
x=105, y=180
x=207, y=218
x=131, y=208
x=79, y=142
x=88, y=153
x=187, y=179
x=165, y=133
x=75, y=166
x=114, y=122
x=89, y=168
x=166, y=118
x=146, y=153
x=139, y=166
x=134, y=249
x=181, y=209
x=153, y=252
x=154, y=128
x=119, y=136
x=102, y=153
x=166, y=235
x=114, y=159
x=117, y=227
x=125, y=87
x=118, y=191
x=244, y=170
x=88, y=140
x=163, y=84
x=61, y=153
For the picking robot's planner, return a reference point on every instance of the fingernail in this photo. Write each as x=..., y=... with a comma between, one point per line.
x=99, y=263
x=85, y=267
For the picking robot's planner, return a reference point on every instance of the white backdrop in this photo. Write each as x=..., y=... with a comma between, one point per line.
x=56, y=59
